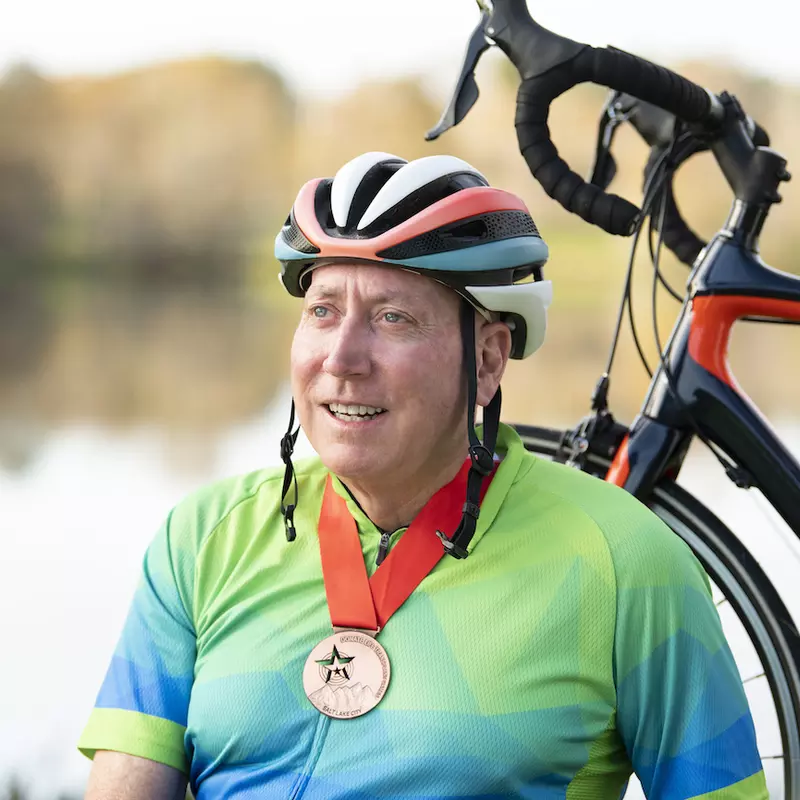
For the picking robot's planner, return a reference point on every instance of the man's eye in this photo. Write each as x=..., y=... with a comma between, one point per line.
x=320, y=312
x=392, y=316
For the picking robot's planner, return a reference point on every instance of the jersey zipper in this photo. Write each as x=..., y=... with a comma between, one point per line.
x=383, y=547
x=320, y=734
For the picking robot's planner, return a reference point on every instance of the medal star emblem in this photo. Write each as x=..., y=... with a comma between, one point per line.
x=346, y=674
x=335, y=667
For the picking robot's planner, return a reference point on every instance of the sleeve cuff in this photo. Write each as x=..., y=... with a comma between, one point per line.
x=136, y=734
x=752, y=788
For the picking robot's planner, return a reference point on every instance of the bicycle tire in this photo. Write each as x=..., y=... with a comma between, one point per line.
x=740, y=578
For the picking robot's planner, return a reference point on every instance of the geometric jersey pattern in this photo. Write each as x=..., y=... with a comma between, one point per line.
x=577, y=643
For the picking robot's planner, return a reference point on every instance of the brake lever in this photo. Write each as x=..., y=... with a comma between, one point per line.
x=605, y=166
x=532, y=49
x=466, y=92
x=654, y=125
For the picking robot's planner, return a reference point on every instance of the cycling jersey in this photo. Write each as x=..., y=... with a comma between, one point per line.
x=578, y=641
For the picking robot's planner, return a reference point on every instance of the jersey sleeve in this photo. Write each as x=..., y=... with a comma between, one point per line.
x=681, y=707
x=143, y=702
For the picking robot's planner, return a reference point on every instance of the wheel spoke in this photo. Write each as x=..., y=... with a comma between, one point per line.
x=754, y=677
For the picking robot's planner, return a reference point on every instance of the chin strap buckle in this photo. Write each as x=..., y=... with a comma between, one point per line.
x=288, y=522
x=450, y=547
x=471, y=509
x=482, y=459
x=464, y=533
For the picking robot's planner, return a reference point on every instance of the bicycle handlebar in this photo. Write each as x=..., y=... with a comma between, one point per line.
x=549, y=65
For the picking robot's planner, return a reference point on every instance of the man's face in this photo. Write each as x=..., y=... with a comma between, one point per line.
x=372, y=338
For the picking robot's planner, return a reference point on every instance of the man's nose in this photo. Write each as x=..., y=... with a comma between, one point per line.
x=349, y=351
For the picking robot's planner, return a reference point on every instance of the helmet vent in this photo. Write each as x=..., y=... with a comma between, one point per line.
x=372, y=182
x=468, y=232
x=420, y=199
x=295, y=238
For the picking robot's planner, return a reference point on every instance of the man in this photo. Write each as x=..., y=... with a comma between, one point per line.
x=569, y=639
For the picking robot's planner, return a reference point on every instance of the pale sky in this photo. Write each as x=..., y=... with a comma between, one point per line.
x=324, y=46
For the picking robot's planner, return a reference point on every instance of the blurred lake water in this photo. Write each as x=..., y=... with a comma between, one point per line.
x=125, y=410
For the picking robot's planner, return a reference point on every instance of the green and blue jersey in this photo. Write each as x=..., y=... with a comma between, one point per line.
x=577, y=643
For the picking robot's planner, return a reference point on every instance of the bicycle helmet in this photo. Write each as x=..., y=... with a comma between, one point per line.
x=435, y=216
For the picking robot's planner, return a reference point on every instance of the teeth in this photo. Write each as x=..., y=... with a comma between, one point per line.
x=339, y=408
x=348, y=412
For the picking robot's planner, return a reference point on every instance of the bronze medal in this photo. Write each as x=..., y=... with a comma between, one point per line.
x=346, y=674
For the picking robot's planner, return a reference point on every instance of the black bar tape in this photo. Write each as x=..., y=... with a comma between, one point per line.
x=612, y=213
x=617, y=70
x=649, y=82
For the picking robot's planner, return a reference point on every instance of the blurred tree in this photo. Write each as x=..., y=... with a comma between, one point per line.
x=27, y=214
x=388, y=115
x=170, y=172
x=28, y=205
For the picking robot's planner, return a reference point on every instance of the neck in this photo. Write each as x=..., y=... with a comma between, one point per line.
x=393, y=507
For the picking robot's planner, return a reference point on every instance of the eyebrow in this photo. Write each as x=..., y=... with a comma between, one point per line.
x=323, y=292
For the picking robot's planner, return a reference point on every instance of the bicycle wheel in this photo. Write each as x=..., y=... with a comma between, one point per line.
x=759, y=629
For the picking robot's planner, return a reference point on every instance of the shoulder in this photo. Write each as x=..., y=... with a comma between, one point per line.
x=251, y=496
x=641, y=547
x=207, y=533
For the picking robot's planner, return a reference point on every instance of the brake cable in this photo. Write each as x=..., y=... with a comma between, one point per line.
x=576, y=442
x=653, y=257
x=649, y=192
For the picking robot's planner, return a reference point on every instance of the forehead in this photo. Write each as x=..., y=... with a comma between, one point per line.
x=374, y=282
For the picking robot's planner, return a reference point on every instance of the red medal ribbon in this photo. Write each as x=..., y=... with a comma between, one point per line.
x=358, y=601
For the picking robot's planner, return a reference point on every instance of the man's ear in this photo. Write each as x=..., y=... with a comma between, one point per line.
x=493, y=348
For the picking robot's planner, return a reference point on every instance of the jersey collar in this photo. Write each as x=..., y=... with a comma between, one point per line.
x=511, y=452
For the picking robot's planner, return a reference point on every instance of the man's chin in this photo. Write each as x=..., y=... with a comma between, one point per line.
x=350, y=463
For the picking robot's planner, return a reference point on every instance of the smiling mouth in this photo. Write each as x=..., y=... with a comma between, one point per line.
x=353, y=413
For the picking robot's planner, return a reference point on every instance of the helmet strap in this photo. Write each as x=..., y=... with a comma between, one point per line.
x=287, y=448
x=481, y=454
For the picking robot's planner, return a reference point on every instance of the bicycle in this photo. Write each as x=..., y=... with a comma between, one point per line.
x=692, y=392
